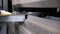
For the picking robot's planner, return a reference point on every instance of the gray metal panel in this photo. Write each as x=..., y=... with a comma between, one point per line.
x=5, y=4
x=0, y=4
x=15, y=18
x=45, y=3
x=41, y=4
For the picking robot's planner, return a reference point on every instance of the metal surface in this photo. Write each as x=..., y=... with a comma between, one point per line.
x=38, y=3
x=37, y=25
x=3, y=28
x=12, y=18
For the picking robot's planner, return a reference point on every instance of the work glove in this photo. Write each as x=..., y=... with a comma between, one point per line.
x=4, y=13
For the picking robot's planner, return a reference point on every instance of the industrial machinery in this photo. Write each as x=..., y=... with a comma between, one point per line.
x=45, y=7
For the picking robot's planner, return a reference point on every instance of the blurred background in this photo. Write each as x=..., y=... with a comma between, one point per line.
x=30, y=17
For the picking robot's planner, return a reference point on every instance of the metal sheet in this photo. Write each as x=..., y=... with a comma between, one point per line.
x=12, y=18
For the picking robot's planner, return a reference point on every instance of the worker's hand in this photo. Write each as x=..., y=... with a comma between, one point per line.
x=4, y=13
